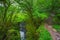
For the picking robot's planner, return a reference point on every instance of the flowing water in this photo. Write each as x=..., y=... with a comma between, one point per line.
x=22, y=31
x=22, y=34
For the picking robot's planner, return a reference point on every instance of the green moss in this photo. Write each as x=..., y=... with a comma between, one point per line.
x=43, y=33
x=57, y=27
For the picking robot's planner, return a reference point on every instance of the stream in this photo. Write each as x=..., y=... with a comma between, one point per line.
x=22, y=31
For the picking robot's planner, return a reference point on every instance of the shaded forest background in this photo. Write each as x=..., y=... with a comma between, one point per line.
x=34, y=13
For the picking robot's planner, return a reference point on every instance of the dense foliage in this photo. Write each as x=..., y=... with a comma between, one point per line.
x=33, y=12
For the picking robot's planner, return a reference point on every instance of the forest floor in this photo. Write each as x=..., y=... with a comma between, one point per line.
x=46, y=35
x=53, y=32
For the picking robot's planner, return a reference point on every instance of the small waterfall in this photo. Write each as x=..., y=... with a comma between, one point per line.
x=22, y=34
x=22, y=31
